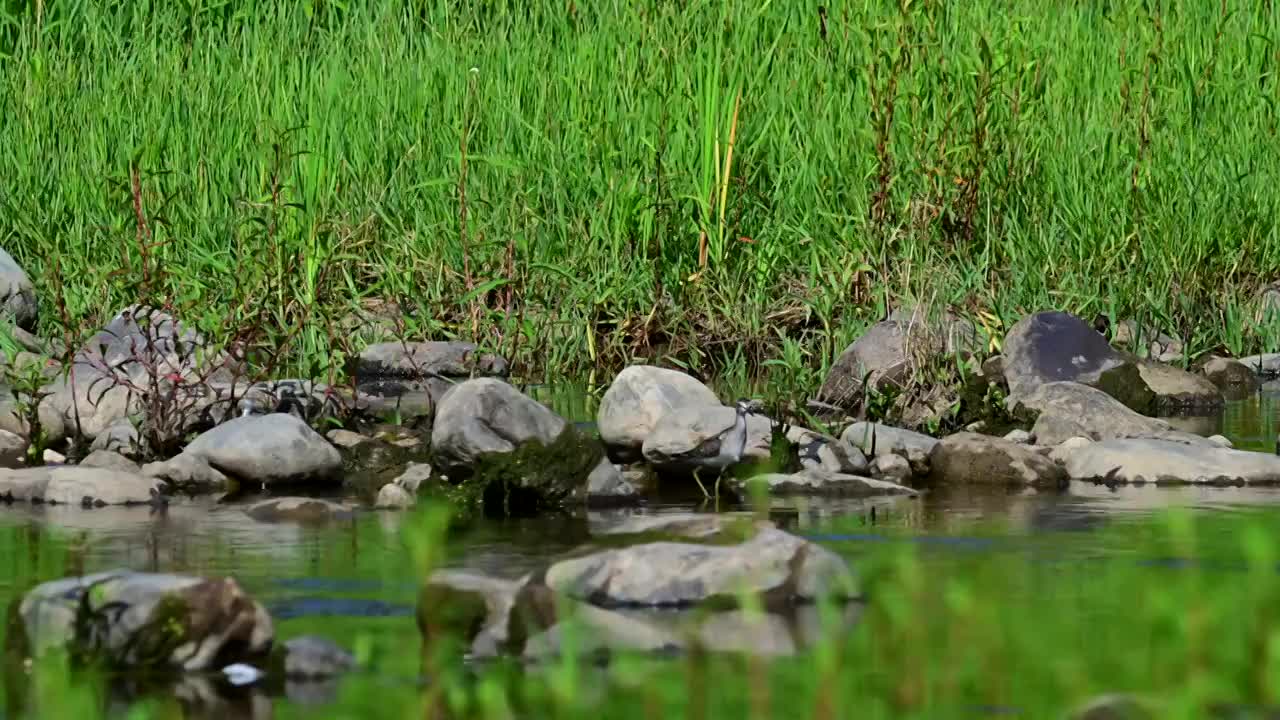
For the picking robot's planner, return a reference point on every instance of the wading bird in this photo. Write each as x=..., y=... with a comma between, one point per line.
x=732, y=444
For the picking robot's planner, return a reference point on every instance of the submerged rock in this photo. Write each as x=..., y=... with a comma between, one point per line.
x=820, y=482
x=969, y=458
x=477, y=608
x=1168, y=462
x=135, y=620
x=492, y=436
x=1048, y=347
x=779, y=568
x=269, y=449
x=309, y=657
x=73, y=485
x=639, y=398
x=1232, y=377
x=299, y=510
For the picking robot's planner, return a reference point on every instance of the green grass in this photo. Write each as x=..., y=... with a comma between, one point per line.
x=542, y=177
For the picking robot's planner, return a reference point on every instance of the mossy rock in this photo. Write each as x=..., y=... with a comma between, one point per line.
x=531, y=479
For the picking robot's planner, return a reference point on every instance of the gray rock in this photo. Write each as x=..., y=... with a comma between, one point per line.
x=110, y=460
x=310, y=657
x=422, y=360
x=776, y=566
x=299, y=510
x=888, y=350
x=1266, y=365
x=1232, y=377
x=639, y=398
x=1178, y=390
x=121, y=436
x=892, y=468
x=1221, y=441
x=73, y=485
x=17, y=294
x=393, y=497
x=822, y=483
x=485, y=426
x=13, y=450
x=607, y=486
x=345, y=438
x=188, y=473
x=53, y=457
x=1068, y=409
x=413, y=476
x=270, y=449
x=823, y=452
x=422, y=372
x=596, y=630
x=1167, y=462
x=878, y=440
x=1022, y=437
x=143, y=620
x=1051, y=347
x=698, y=526
x=14, y=420
x=1146, y=342
x=971, y=459
x=477, y=607
x=682, y=438
x=1064, y=449
x=113, y=373
x=1115, y=706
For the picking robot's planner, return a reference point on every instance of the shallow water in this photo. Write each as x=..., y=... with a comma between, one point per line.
x=351, y=580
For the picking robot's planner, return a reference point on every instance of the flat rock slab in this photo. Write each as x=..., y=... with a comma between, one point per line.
x=822, y=483
x=973, y=459
x=639, y=398
x=774, y=565
x=1166, y=462
x=1178, y=390
x=145, y=620
x=1069, y=409
x=73, y=485
x=300, y=510
x=272, y=449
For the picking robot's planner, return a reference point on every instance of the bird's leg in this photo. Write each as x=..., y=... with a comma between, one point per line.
x=698, y=480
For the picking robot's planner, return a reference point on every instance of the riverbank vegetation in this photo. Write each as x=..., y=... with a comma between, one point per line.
x=734, y=187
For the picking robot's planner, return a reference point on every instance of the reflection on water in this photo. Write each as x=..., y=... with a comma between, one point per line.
x=352, y=580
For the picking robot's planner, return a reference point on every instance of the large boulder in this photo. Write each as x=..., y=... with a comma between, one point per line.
x=778, y=568
x=143, y=621
x=492, y=436
x=145, y=363
x=886, y=353
x=74, y=485
x=1055, y=346
x=1177, y=390
x=1169, y=462
x=270, y=449
x=17, y=294
x=406, y=369
x=972, y=459
x=1235, y=379
x=682, y=439
x=637, y=401
x=1067, y=409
